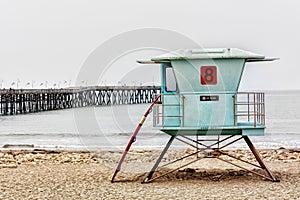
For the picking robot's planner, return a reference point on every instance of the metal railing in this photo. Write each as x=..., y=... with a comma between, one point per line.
x=249, y=108
x=159, y=115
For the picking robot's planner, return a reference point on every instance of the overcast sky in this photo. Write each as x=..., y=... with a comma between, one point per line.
x=50, y=40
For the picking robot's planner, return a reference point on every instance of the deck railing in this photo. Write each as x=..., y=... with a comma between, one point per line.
x=159, y=117
x=249, y=108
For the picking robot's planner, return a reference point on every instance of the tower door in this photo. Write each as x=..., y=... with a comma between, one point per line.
x=170, y=98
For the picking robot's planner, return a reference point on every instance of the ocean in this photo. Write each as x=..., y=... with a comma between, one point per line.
x=110, y=127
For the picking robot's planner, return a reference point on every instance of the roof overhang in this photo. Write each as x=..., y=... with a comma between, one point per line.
x=147, y=62
x=261, y=60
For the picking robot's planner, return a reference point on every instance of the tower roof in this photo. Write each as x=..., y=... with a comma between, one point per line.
x=209, y=53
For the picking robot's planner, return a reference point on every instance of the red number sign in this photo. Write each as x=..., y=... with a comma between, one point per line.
x=209, y=75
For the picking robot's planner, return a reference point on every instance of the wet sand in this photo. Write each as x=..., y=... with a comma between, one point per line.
x=39, y=174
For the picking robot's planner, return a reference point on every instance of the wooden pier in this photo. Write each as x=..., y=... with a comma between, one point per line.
x=21, y=101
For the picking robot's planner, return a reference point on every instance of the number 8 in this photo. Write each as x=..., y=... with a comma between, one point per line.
x=208, y=75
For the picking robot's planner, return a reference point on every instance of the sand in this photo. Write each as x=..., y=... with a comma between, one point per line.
x=39, y=174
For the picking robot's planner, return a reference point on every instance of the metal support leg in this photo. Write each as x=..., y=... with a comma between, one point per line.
x=259, y=158
x=159, y=159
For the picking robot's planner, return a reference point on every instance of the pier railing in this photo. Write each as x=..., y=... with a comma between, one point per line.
x=21, y=101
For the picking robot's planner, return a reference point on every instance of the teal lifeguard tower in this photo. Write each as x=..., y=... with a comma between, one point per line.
x=199, y=97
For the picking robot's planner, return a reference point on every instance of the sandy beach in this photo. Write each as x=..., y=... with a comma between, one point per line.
x=40, y=174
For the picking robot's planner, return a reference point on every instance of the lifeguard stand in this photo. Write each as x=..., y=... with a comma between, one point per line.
x=199, y=97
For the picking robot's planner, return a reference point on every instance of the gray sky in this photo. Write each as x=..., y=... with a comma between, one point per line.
x=50, y=40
